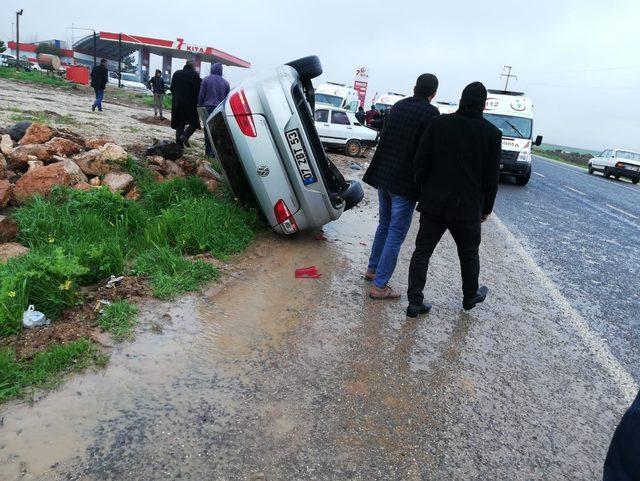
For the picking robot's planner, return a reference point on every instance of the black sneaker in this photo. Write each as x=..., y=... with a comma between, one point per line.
x=185, y=142
x=480, y=296
x=93, y=108
x=415, y=310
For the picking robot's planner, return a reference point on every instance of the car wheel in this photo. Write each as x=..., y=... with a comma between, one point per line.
x=353, y=194
x=353, y=148
x=307, y=67
x=635, y=180
x=591, y=170
x=606, y=173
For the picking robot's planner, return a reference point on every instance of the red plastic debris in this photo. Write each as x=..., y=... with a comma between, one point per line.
x=308, y=273
x=320, y=236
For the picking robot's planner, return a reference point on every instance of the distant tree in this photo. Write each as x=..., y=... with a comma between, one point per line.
x=48, y=48
x=128, y=64
x=2, y=47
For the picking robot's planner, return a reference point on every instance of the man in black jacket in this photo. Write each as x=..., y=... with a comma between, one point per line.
x=185, y=87
x=157, y=86
x=457, y=167
x=99, y=79
x=391, y=172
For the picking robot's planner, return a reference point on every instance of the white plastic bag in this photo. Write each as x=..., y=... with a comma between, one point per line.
x=32, y=318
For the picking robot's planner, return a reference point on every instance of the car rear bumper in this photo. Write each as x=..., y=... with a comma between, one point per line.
x=625, y=172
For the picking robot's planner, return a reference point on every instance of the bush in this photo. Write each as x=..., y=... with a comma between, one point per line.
x=46, y=278
x=78, y=238
x=171, y=274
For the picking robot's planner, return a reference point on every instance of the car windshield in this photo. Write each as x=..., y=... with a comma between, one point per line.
x=381, y=107
x=515, y=127
x=333, y=100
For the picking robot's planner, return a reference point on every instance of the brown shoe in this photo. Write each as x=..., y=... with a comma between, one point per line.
x=369, y=275
x=384, y=293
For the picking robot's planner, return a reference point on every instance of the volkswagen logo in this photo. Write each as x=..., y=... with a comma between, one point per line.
x=263, y=171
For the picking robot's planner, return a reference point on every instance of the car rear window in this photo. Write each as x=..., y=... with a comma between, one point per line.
x=339, y=118
x=230, y=161
x=628, y=155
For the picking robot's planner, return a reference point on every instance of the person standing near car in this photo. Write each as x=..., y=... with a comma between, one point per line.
x=457, y=166
x=391, y=172
x=361, y=115
x=213, y=90
x=99, y=79
x=185, y=87
x=157, y=86
x=370, y=115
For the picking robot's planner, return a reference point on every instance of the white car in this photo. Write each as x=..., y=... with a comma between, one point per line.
x=5, y=59
x=617, y=162
x=340, y=128
x=129, y=81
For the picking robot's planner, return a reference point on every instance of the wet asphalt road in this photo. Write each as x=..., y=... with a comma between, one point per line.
x=275, y=378
x=584, y=231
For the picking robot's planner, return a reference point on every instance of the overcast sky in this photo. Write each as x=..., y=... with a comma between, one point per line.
x=572, y=58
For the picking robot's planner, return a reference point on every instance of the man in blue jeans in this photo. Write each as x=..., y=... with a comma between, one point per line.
x=213, y=90
x=99, y=79
x=391, y=172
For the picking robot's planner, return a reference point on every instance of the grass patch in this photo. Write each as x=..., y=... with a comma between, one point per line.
x=119, y=319
x=166, y=102
x=38, y=117
x=46, y=368
x=552, y=156
x=171, y=274
x=78, y=238
x=34, y=76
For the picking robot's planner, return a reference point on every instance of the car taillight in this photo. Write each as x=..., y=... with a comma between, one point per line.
x=284, y=217
x=242, y=112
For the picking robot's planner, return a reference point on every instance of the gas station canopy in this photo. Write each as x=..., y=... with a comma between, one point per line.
x=107, y=46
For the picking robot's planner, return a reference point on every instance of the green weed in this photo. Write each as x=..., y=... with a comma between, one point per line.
x=119, y=319
x=33, y=76
x=171, y=274
x=46, y=368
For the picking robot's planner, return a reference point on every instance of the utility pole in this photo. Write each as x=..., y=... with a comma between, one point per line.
x=507, y=76
x=120, y=60
x=95, y=48
x=18, y=15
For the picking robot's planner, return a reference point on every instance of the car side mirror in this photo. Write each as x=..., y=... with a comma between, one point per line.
x=538, y=141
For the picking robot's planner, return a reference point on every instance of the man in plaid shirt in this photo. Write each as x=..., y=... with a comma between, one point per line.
x=391, y=172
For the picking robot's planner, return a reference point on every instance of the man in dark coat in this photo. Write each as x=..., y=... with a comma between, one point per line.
x=457, y=166
x=213, y=90
x=185, y=87
x=157, y=86
x=99, y=79
x=391, y=172
x=623, y=457
x=361, y=115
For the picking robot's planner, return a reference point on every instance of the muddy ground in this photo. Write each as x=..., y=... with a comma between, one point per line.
x=271, y=377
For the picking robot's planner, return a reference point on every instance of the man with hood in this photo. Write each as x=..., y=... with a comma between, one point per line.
x=213, y=90
x=185, y=87
x=391, y=172
x=457, y=166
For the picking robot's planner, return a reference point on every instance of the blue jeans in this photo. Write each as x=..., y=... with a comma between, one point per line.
x=208, y=149
x=99, y=97
x=395, y=219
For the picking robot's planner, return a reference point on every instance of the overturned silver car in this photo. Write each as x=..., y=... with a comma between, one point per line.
x=266, y=142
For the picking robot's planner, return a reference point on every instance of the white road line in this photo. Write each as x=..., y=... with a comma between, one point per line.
x=539, y=174
x=592, y=339
x=575, y=190
x=622, y=211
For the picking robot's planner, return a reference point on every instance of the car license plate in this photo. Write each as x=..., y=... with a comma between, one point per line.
x=300, y=157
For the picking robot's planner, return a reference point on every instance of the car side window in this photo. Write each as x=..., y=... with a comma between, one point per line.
x=339, y=118
x=322, y=116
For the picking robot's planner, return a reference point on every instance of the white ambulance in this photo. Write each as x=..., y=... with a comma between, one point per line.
x=341, y=96
x=512, y=113
x=388, y=100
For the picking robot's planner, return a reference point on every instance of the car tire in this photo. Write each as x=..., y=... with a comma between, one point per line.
x=307, y=67
x=353, y=148
x=605, y=173
x=353, y=194
x=635, y=180
x=591, y=170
